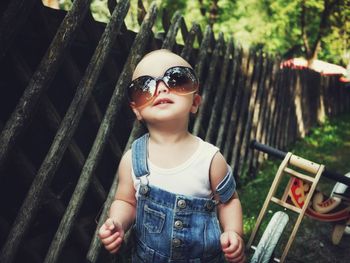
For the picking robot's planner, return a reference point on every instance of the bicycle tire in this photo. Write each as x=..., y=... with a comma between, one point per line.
x=339, y=229
x=270, y=237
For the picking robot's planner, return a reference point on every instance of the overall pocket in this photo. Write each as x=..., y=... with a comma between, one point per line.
x=153, y=220
x=212, y=237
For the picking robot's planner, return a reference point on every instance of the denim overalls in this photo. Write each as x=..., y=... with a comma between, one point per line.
x=171, y=227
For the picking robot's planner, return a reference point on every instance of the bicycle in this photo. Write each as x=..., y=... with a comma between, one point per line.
x=301, y=197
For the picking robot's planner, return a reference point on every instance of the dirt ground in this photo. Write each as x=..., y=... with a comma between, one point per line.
x=313, y=244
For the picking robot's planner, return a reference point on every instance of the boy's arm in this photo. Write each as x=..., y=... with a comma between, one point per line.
x=123, y=208
x=229, y=213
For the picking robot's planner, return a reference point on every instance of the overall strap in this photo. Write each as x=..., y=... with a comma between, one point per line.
x=139, y=151
x=227, y=187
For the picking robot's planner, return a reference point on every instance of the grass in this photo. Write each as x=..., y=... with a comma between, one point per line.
x=328, y=144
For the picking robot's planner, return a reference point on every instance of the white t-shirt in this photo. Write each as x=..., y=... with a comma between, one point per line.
x=189, y=178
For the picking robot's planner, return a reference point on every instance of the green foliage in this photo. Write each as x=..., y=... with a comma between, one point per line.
x=100, y=10
x=273, y=25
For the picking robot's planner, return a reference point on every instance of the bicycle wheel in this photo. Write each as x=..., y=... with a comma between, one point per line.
x=270, y=237
x=340, y=229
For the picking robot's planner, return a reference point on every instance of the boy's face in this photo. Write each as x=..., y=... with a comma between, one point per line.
x=166, y=104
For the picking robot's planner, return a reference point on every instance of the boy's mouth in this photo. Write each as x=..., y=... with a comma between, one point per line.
x=162, y=101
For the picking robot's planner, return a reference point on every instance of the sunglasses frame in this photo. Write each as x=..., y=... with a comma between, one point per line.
x=192, y=75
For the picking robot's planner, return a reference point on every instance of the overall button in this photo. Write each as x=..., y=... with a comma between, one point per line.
x=176, y=242
x=181, y=203
x=144, y=189
x=178, y=224
x=209, y=205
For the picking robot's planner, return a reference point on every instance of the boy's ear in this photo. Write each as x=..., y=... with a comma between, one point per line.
x=137, y=113
x=196, y=102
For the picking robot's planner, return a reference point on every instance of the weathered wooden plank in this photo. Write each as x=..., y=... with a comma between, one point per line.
x=219, y=96
x=281, y=118
x=257, y=114
x=186, y=51
x=40, y=81
x=277, y=103
x=264, y=115
x=63, y=136
x=250, y=123
x=53, y=204
x=244, y=107
x=136, y=52
x=94, y=68
x=53, y=120
x=232, y=128
x=203, y=52
x=170, y=38
x=208, y=86
x=229, y=101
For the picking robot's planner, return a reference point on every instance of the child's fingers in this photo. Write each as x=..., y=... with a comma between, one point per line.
x=229, y=242
x=104, y=232
x=110, y=224
x=240, y=259
x=232, y=246
x=236, y=256
x=107, y=229
x=115, y=245
x=109, y=239
x=224, y=241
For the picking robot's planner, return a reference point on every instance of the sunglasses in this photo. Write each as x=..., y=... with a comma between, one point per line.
x=179, y=80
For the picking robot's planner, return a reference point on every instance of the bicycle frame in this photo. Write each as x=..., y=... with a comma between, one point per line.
x=300, y=196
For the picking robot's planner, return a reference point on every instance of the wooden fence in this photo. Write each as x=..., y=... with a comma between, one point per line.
x=65, y=121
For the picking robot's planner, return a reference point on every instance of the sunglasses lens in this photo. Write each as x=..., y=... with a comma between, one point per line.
x=181, y=80
x=141, y=91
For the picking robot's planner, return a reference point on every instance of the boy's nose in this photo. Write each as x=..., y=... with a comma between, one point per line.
x=161, y=87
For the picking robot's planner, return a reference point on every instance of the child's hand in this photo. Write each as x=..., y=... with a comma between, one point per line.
x=111, y=235
x=233, y=247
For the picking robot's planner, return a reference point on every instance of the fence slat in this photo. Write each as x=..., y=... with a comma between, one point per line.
x=102, y=51
x=208, y=85
x=53, y=120
x=228, y=105
x=136, y=52
x=62, y=138
x=41, y=79
x=244, y=103
x=232, y=128
x=219, y=96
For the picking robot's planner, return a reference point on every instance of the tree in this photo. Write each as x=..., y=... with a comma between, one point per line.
x=312, y=28
x=312, y=49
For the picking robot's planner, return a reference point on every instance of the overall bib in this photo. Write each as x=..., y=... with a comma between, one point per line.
x=171, y=227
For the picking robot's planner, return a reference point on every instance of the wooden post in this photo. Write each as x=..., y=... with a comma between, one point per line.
x=259, y=109
x=239, y=94
x=63, y=136
x=229, y=100
x=136, y=52
x=207, y=90
x=219, y=96
x=253, y=110
x=244, y=108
